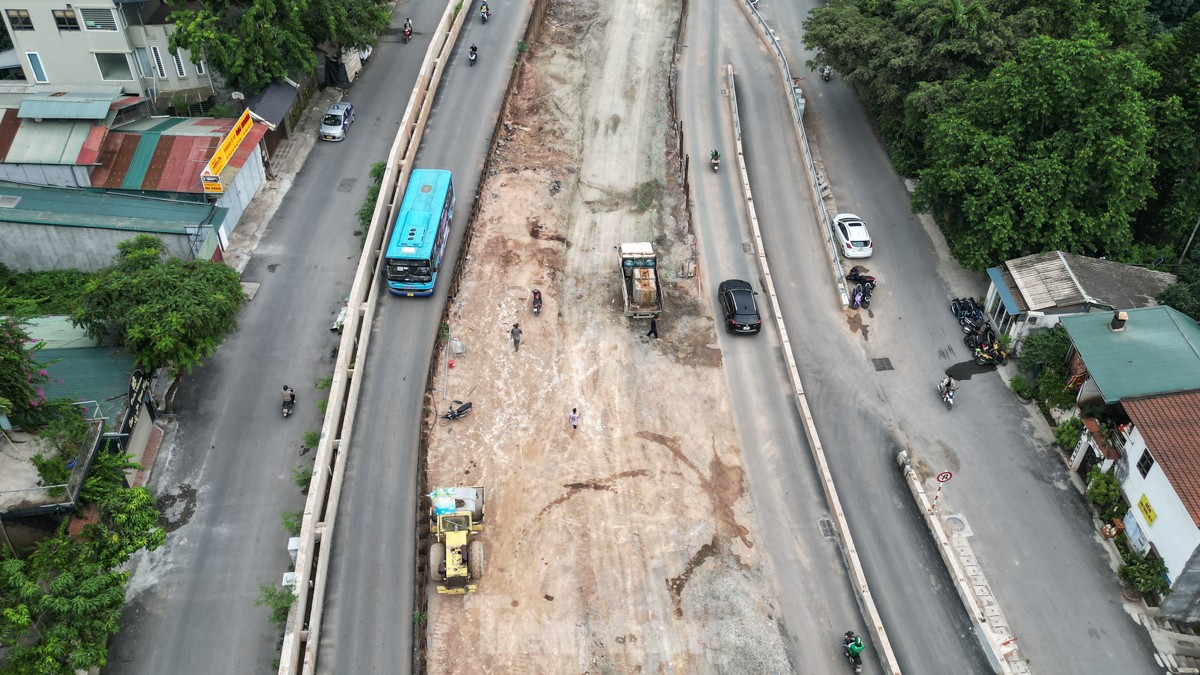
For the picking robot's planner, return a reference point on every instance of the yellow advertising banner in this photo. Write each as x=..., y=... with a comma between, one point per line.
x=230, y=145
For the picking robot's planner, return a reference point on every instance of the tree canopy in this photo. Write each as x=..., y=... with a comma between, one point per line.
x=253, y=43
x=1033, y=124
x=1049, y=152
x=167, y=312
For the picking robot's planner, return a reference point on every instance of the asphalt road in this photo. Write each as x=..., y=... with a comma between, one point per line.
x=816, y=603
x=1032, y=532
x=193, y=610
x=367, y=626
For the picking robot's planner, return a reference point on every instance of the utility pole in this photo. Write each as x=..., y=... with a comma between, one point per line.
x=1189, y=244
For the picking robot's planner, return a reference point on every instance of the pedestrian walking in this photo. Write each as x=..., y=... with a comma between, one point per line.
x=653, y=332
x=573, y=418
x=516, y=337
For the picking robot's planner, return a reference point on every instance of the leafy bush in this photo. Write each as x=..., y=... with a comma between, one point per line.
x=67, y=429
x=107, y=475
x=368, y=206
x=310, y=439
x=53, y=471
x=1066, y=435
x=1052, y=392
x=279, y=599
x=302, y=476
x=1148, y=574
x=292, y=521
x=1104, y=492
x=1022, y=387
x=49, y=292
x=1047, y=349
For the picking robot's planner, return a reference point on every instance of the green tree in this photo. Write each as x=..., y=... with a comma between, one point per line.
x=346, y=24
x=1049, y=152
x=21, y=376
x=1168, y=218
x=1184, y=294
x=128, y=522
x=168, y=312
x=252, y=43
x=60, y=608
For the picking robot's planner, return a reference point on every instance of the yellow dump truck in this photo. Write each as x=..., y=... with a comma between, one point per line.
x=456, y=555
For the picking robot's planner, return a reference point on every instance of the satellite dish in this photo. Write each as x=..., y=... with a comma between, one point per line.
x=237, y=96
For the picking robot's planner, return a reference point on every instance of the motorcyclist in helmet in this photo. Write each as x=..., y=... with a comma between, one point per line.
x=485, y=10
x=852, y=644
x=474, y=50
x=716, y=154
x=289, y=395
x=408, y=25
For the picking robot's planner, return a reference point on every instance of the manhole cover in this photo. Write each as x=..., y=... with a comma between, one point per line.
x=747, y=248
x=826, y=528
x=958, y=524
x=882, y=364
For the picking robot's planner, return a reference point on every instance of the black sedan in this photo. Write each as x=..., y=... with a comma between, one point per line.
x=739, y=306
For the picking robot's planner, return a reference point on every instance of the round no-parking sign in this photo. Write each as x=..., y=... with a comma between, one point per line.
x=944, y=476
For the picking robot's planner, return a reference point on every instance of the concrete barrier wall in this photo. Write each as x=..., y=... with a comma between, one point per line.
x=302, y=632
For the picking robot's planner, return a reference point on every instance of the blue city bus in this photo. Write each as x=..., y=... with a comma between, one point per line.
x=419, y=236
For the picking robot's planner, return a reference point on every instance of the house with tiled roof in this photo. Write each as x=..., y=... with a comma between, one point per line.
x=1035, y=291
x=1159, y=474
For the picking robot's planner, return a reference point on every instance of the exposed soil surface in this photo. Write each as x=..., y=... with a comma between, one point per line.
x=630, y=544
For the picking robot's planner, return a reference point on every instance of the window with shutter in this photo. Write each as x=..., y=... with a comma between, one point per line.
x=158, y=62
x=179, y=65
x=98, y=18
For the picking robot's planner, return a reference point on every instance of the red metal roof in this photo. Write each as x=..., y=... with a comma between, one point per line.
x=1172, y=431
x=169, y=158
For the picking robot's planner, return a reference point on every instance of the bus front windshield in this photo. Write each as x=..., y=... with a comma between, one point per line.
x=407, y=269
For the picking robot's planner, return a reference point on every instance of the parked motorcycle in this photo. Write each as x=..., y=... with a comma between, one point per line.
x=471, y=55
x=856, y=296
x=457, y=410
x=991, y=357
x=967, y=308
x=866, y=294
x=537, y=302
x=856, y=275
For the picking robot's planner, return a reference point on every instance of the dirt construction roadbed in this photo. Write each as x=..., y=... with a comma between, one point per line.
x=630, y=544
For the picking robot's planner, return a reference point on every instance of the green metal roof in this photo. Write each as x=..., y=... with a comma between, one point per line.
x=1157, y=352
x=67, y=107
x=80, y=370
x=95, y=209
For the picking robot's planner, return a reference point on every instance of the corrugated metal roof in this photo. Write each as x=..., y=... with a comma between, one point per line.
x=1059, y=280
x=80, y=370
x=66, y=107
x=167, y=155
x=95, y=209
x=48, y=142
x=1171, y=429
x=1158, y=352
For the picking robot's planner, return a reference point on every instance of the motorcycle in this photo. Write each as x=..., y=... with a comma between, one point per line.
x=472, y=54
x=991, y=357
x=484, y=13
x=856, y=275
x=947, y=394
x=715, y=163
x=407, y=34
x=967, y=308
x=854, y=659
x=537, y=302
x=826, y=73
x=866, y=294
x=289, y=404
x=458, y=412
x=856, y=297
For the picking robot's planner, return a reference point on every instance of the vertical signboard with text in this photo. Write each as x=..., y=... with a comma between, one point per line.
x=210, y=177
